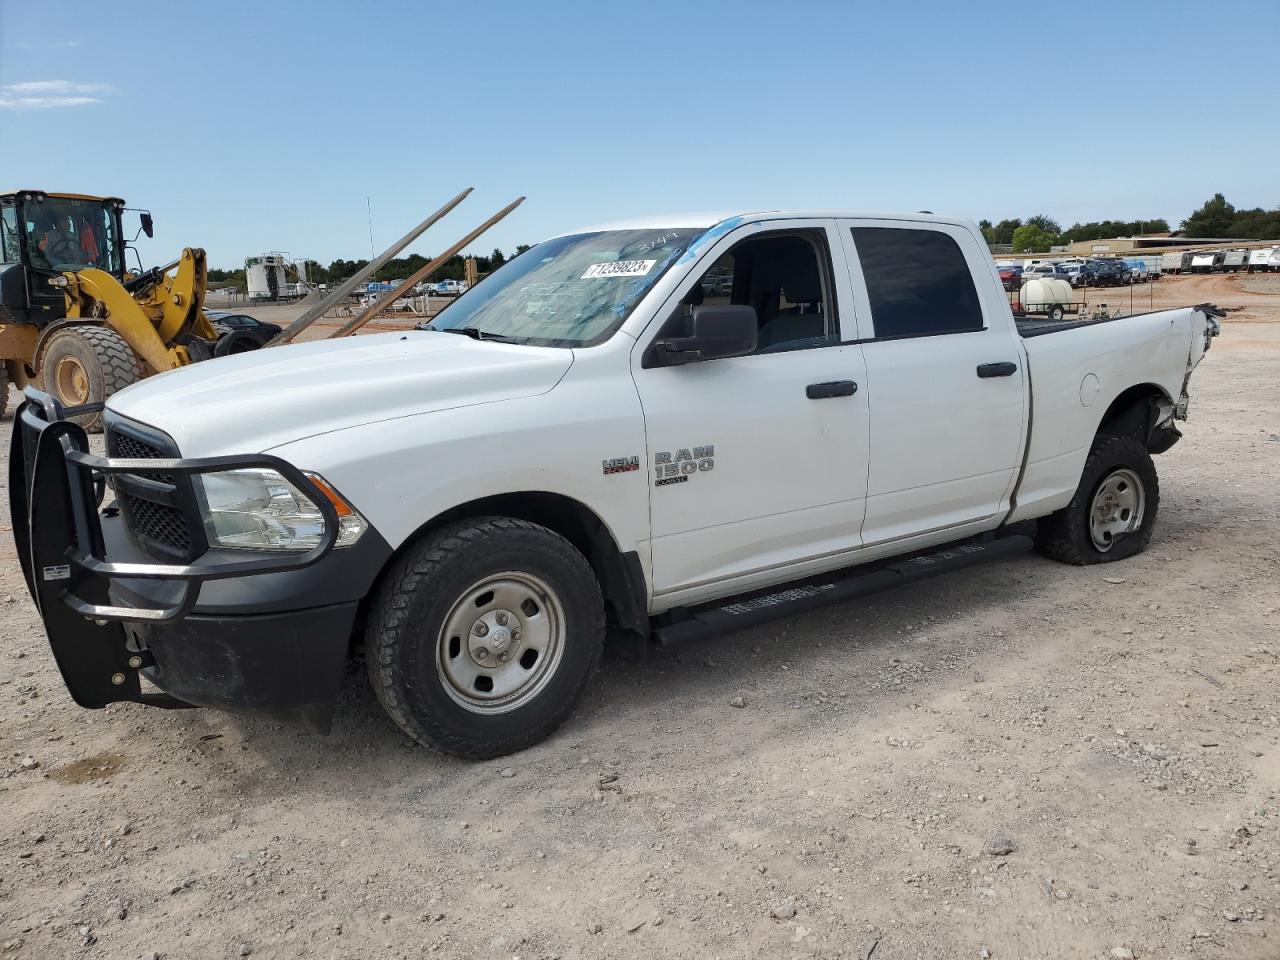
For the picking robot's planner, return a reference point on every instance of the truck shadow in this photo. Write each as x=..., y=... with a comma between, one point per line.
x=638, y=702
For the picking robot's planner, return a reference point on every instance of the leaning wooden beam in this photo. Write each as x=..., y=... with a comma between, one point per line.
x=363, y=274
x=354, y=324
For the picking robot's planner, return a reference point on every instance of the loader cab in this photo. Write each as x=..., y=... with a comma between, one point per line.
x=44, y=235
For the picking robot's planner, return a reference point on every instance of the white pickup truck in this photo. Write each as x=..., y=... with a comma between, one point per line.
x=647, y=427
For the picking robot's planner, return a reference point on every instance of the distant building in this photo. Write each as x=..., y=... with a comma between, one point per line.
x=1157, y=242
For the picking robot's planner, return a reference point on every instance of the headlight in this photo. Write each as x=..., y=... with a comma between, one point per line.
x=258, y=509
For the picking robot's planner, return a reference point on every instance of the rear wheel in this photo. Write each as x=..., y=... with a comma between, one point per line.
x=483, y=637
x=1113, y=513
x=87, y=364
x=1056, y=312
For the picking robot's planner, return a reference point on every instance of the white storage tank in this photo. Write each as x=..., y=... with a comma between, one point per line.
x=1040, y=293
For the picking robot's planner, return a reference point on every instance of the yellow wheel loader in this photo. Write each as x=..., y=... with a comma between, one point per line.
x=73, y=318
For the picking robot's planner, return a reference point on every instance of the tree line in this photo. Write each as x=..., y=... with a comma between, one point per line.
x=393, y=270
x=1216, y=218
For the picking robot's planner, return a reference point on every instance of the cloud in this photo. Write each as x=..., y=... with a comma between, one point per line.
x=48, y=44
x=43, y=94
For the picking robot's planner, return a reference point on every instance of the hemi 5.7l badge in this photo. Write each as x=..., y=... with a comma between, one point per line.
x=620, y=465
x=679, y=465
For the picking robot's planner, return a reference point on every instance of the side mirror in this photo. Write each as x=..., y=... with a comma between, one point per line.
x=148, y=225
x=721, y=330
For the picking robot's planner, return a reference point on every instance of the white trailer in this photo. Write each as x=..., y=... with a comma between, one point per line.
x=1264, y=260
x=265, y=277
x=1235, y=260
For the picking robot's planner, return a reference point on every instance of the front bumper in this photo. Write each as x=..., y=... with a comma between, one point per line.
x=230, y=629
x=284, y=665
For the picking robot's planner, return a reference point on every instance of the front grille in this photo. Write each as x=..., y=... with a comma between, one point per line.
x=158, y=526
x=158, y=522
x=126, y=447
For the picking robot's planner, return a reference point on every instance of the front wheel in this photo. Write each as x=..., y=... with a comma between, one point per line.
x=483, y=636
x=87, y=364
x=1113, y=513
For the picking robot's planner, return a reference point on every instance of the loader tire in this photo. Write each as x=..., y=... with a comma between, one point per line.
x=1113, y=513
x=87, y=364
x=483, y=636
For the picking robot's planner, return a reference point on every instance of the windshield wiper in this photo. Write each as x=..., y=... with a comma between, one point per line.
x=475, y=333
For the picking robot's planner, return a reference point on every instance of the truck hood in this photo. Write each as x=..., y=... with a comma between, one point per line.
x=251, y=402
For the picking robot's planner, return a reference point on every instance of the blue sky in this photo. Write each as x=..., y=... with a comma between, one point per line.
x=247, y=127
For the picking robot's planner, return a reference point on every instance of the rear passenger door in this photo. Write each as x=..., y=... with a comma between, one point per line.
x=946, y=427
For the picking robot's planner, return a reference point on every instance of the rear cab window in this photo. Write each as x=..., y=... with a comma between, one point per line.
x=918, y=281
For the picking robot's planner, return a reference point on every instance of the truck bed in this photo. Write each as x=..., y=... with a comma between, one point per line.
x=1038, y=326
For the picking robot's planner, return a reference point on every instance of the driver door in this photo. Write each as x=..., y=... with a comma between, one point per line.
x=757, y=464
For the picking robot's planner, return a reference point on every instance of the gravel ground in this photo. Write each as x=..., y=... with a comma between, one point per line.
x=1019, y=760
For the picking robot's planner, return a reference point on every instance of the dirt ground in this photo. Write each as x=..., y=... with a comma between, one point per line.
x=1019, y=760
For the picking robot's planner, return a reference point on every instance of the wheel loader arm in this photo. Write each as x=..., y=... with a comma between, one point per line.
x=154, y=319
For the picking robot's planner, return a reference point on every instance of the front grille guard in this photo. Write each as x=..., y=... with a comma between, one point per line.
x=55, y=488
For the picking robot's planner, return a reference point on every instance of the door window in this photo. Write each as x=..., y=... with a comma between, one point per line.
x=785, y=276
x=918, y=282
x=9, y=234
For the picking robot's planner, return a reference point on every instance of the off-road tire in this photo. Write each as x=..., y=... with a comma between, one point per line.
x=409, y=611
x=1064, y=535
x=109, y=363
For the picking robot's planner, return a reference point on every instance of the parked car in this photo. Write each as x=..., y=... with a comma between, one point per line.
x=1109, y=273
x=1137, y=270
x=240, y=332
x=448, y=288
x=1079, y=273
x=720, y=285
x=1043, y=270
x=1010, y=275
x=479, y=501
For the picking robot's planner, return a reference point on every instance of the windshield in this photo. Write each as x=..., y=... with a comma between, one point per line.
x=572, y=291
x=65, y=234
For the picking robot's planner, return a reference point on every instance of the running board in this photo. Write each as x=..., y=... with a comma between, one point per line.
x=787, y=601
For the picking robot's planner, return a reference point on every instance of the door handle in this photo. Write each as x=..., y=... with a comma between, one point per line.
x=835, y=388
x=1002, y=369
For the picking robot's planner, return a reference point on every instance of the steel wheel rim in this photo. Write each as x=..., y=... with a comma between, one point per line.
x=1117, y=508
x=501, y=643
x=72, y=380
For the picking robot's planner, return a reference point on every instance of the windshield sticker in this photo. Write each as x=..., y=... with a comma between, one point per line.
x=619, y=268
